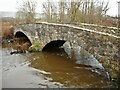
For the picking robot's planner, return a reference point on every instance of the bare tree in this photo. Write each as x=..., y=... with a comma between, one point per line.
x=26, y=11
x=61, y=11
x=89, y=11
x=75, y=6
x=49, y=9
x=101, y=11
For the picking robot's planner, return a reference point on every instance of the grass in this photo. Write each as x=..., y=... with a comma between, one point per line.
x=7, y=30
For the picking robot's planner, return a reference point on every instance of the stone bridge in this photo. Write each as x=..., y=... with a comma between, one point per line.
x=99, y=45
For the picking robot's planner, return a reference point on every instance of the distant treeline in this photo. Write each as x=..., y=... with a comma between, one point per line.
x=67, y=11
x=85, y=11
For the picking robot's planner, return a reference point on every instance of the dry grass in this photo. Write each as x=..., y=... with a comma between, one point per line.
x=7, y=30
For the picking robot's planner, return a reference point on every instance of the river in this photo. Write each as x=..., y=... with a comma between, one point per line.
x=47, y=70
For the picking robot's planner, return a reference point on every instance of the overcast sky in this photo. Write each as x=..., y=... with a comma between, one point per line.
x=11, y=5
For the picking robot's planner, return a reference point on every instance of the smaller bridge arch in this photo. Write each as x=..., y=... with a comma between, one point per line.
x=21, y=35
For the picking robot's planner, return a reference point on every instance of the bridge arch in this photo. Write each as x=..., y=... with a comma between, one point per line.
x=53, y=45
x=20, y=34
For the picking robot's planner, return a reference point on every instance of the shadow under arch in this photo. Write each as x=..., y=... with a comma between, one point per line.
x=21, y=35
x=53, y=45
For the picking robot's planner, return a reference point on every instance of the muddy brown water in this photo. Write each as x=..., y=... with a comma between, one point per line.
x=47, y=70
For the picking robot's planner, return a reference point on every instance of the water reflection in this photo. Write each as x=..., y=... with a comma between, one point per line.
x=65, y=71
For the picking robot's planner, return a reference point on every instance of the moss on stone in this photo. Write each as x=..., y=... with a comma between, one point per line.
x=35, y=47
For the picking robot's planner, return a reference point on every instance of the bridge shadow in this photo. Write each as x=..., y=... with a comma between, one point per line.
x=54, y=46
